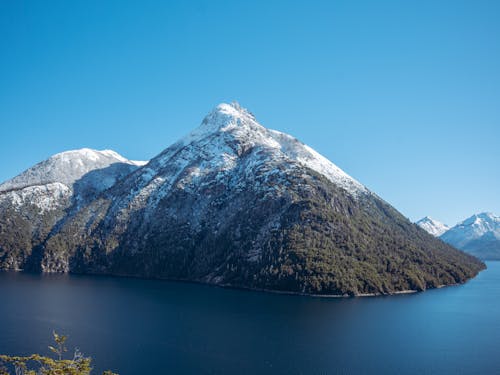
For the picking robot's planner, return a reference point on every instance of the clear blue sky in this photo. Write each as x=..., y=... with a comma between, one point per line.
x=403, y=95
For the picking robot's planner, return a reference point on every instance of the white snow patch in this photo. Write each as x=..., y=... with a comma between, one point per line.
x=46, y=197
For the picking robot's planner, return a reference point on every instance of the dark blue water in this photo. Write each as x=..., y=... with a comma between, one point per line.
x=144, y=326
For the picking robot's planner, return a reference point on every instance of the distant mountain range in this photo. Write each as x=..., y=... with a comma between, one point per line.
x=478, y=235
x=232, y=204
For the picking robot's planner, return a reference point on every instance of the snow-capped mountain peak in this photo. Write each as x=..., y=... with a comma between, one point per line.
x=230, y=131
x=231, y=119
x=434, y=227
x=71, y=176
x=66, y=167
x=478, y=234
x=479, y=224
x=225, y=114
x=483, y=222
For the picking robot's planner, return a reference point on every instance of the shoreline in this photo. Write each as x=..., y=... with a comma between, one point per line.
x=237, y=287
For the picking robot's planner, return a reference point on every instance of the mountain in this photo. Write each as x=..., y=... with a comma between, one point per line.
x=34, y=202
x=432, y=226
x=236, y=204
x=478, y=235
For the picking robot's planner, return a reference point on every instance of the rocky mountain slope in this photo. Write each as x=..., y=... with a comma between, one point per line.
x=236, y=204
x=34, y=202
x=434, y=227
x=478, y=235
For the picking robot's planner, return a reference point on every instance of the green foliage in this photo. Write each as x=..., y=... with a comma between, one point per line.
x=315, y=239
x=37, y=364
x=60, y=347
x=333, y=244
x=298, y=233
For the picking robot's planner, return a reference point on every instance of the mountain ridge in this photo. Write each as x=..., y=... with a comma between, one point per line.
x=236, y=204
x=74, y=164
x=39, y=199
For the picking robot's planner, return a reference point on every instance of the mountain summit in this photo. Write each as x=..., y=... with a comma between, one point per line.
x=33, y=203
x=229, y=131
x=68, y=167
x=434, y=227
x=236, y=204
x=478, y=235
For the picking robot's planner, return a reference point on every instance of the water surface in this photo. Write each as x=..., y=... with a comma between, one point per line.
x=144, y=326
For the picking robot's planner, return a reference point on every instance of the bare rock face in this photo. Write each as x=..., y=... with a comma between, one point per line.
x=236, y=204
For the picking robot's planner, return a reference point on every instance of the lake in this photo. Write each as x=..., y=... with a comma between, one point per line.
x=135, y=326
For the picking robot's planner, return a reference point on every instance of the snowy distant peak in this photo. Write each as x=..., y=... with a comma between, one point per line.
x=67, y=167
x=434, y=227
x=230, y=128
x=481, y=223
x=473, y=228
x=478, y=234
x=481, y=219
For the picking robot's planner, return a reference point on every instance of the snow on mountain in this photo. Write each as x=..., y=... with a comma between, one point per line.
x=478, y=235
x=84, y=172
x=434, y=227
x=239, y=124
x=230, y=133
x=473, y=229
x=232, y=203
x=228, y=146
x=66, y=168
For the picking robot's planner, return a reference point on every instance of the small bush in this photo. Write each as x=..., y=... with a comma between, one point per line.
x=37, y=364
